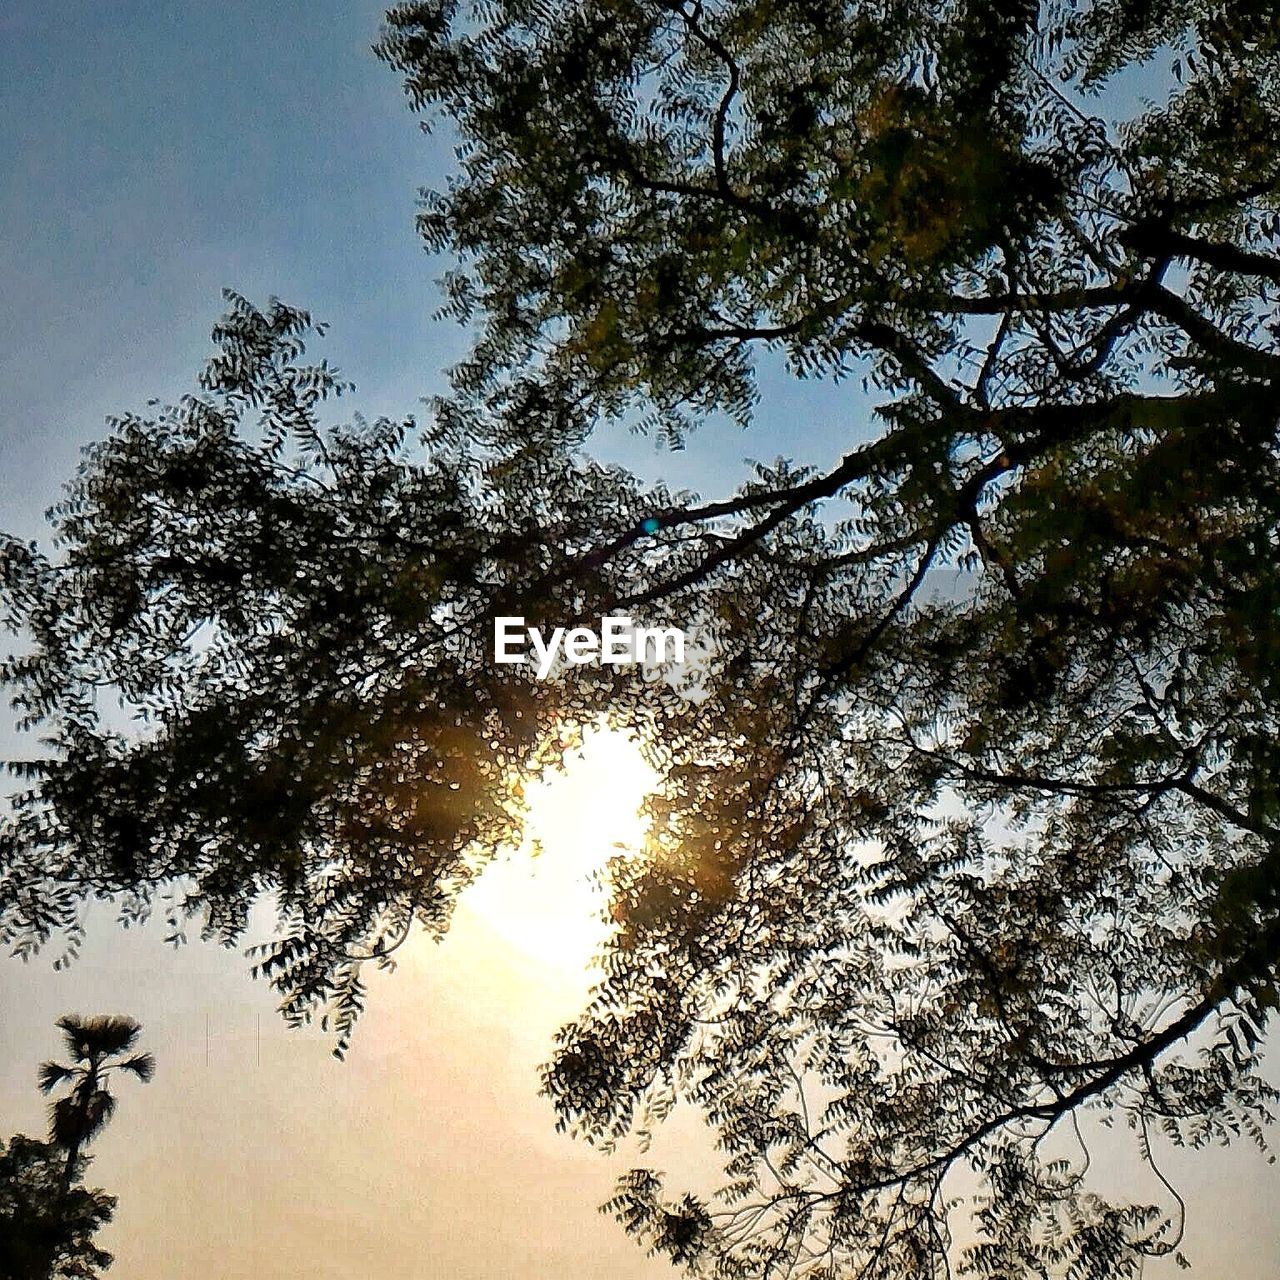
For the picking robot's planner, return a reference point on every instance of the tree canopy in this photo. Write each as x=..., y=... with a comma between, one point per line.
x=46, y=1229
x=933, y=875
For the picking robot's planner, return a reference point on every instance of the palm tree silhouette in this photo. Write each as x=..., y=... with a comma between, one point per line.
x=96, y=1046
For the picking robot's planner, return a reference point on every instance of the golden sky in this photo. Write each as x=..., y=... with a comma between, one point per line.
x=427, y=1155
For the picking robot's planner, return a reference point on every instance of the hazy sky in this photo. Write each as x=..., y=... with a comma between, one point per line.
x=154, y=153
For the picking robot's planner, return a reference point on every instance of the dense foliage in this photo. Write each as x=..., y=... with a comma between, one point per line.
x=294, y=625
x=933, y=873
x=46, y=1232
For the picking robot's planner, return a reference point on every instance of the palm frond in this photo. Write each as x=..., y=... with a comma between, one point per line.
x=52, y=1074
x=99, y=1036
x=143, y=1065
x=72, y=1034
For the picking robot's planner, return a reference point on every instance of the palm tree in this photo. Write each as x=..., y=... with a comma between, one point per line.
x=97, y=1046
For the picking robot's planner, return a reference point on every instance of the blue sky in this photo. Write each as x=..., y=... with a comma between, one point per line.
x=157, y=153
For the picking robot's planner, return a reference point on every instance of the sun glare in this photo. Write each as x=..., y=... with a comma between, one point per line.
x=544, y=899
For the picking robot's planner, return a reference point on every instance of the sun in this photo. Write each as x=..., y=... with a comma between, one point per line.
x=544, y=899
